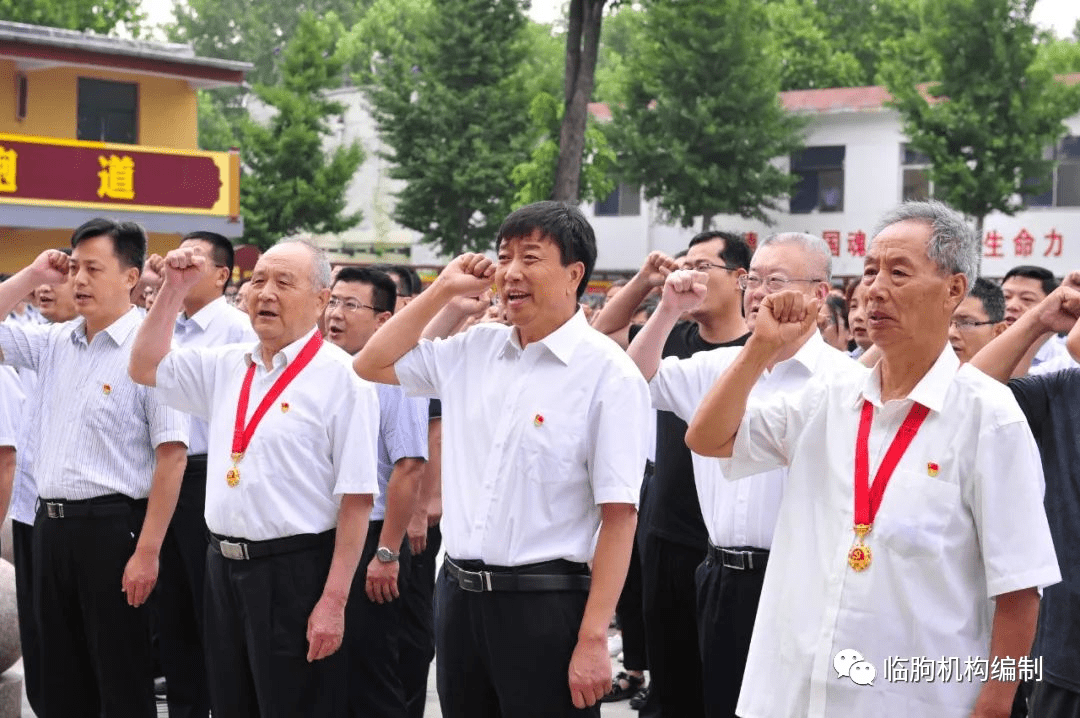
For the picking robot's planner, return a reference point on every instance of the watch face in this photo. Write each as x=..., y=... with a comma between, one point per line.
x=385, y=555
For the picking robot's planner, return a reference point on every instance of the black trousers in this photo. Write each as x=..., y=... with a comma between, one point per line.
x=372, y=639
x=506, y=654
x=631, y=620
x=670, y=607
x=95, y=648
x=180, y=598
x=418, y=624
x=256, y=637
x=1052, y=701
x=22, y=544
x=727, y=602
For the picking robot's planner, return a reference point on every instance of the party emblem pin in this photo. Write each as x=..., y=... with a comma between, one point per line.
x=284, y=406
x=932, y=469
x=538, y=420
x=106, y=389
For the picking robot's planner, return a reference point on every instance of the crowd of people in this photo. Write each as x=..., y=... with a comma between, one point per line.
x=786, y=487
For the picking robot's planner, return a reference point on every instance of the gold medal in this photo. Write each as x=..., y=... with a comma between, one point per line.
x=859, y=556
x=232, y=476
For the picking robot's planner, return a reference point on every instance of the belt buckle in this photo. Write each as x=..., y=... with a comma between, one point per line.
x=54, y=510
x=474, y=581
x=738, y=560
x=234, y=551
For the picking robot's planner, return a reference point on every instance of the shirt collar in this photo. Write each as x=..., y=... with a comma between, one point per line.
x=118, y=331
x=810, y=353
x=205, y=316
x=285, y=356
x=931, y=389
x=561, y=343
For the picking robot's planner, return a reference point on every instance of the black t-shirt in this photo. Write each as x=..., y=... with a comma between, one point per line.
x=670, y=508
x=1051, y=403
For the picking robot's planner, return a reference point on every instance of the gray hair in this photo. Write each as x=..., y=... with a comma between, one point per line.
x=320, y=263
x=953, y=246
x=809, y=243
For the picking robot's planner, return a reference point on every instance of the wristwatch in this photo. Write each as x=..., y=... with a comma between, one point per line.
x=386, y=555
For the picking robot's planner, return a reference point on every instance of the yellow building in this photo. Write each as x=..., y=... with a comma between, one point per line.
x=95, y=126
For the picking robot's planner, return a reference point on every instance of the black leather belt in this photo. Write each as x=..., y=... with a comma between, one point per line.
x=240, y=550
x=99, y=506
x=521, y=578
x=739, y=559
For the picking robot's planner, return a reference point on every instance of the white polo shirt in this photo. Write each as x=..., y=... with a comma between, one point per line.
x=961, y=521
x=315, y=443
x=743, y=512
x=534, y=438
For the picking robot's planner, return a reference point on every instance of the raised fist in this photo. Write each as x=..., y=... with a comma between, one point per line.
x=1059, y=311
x=684, y=290
x=656, y=268
x=51, y=267
x=183, y=268
x=469, y=274
x=785, y=317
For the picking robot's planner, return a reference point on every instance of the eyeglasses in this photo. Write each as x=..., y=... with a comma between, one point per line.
x=965, y=324
x=704, y=266
x=350, y=305
x=774, y=283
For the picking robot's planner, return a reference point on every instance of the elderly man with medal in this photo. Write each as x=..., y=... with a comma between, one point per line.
x=290, y=479
x=912, y=529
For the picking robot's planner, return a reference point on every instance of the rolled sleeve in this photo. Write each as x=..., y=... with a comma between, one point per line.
x=166, y=423
x=1007, y=505
x=184, y=381
x=354, y=431
x=404, y=424
x=677, y=386
x=618, y=451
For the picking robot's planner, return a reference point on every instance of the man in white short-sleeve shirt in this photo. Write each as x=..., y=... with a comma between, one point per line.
x=948, y=569
x=740, y=516
x=542, y=446
x=301, y=465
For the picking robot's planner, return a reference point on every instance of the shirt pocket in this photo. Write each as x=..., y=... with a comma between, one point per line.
x=915, y=513
x=553, y=447
x=103, y=411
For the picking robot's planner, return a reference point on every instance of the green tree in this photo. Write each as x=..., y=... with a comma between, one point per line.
x=290, y=184
x=618, y=41
x=988, y=120
x=450, y=105
x=216, y=131
x=100, y=16
x=703, y=122
x=808, y=56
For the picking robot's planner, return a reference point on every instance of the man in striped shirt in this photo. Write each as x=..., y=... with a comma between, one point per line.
x=108, y=480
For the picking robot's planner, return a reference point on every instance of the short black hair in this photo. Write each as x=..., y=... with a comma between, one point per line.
x=1049, y=283
x=128, y=238
x=562, y=223
x=837, y=308
x=383, y=289
x=736, y=252
x=222, y=250
x=405, y=277
x=993, y=299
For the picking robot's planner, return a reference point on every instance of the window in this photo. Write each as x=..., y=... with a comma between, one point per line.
x=108, y=111
x=624, y=201
x=1063, y=184
x=820, y=180
x=916, y=175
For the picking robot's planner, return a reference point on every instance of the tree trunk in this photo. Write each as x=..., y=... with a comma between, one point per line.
x=706, y=222
x=582, y=46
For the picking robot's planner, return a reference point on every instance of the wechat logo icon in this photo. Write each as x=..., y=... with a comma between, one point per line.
x=849, y=663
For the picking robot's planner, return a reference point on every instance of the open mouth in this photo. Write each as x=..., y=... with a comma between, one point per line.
x=266, y=314
x=515, y=298
x=82, y=297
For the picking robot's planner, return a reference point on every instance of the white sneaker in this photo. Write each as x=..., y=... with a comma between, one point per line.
x=614, y=644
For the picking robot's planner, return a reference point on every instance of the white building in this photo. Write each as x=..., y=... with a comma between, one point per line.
x=854, y=169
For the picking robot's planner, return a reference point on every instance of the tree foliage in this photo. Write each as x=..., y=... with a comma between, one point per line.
x=100, y=16
x=702, y=120
x=988, y=120
x=290, y=183
x=444, y=83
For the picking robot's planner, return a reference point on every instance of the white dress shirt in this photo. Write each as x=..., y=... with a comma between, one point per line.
x=743, y=512
x=98, y=427
x=24, y=490
x=215, y=325
x=534, y=438
x=961, y=521
x=403, y=434
x=315, y=443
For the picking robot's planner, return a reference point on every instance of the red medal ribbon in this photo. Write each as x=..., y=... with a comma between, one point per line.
x=241, y=434
x=867, y=499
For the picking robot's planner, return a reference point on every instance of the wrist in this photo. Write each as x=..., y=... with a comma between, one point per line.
x=335, y=599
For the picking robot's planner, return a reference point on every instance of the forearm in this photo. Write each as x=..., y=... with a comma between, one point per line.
x=714, y=426
x=168, y=475
x=617, y=313
x=431, y=488
x=154, y=339
x=610, y=564
x=7, y=478
x=445, y=323
x=648, y=345
x=402, y=495
x=1001, y=356
x=394, y=339
x=1012, y=633
x=1072, y=342
x=352, y=527
x=15, y=290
